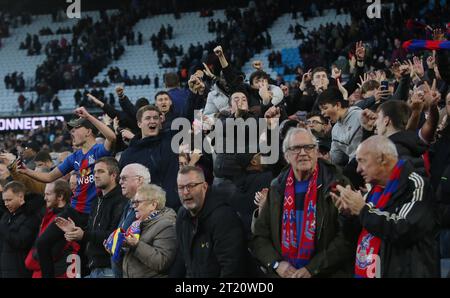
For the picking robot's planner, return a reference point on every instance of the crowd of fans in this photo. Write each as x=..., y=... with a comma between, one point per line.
x=167, y=56
x=15, y=81
x=47, y=31
x=32, y=45
x=359, y=185
x=72, y=64
x=8, y=21
x=117, y=76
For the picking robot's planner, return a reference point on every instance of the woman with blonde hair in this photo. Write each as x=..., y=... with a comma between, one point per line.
x=151, y=239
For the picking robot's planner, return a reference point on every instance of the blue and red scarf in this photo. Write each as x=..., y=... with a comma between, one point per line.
x=420, y=44
x=291, y=250
x=115, y=241
x=368, y=244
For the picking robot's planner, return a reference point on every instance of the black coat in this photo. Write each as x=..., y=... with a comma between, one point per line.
x=411, y=148
x=440, y=166
x=227, y=164
x=407, y=227
x=17, y=234
x=243, y=199
x=213, y=243
x=157, y=155
x=104, y=218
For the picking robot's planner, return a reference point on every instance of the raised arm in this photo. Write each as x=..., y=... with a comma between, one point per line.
x=39, y=176
x=103, y=128
x=125, y=103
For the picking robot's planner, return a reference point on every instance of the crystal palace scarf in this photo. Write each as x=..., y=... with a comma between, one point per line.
x=115, y=241
x=369, y=245
x=292, y=251
x=419, y=44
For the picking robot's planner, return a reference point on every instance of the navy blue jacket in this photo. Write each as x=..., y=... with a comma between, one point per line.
x=156, y=154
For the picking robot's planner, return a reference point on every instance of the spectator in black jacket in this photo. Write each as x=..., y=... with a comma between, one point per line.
x=261, y=96
x=126, y=117
x=315, y=82
x=209, y=247
x=18, y=229
x=254, y=178
x=398, y=229
x=104, y=218
x=391, y=121
x=153, y=150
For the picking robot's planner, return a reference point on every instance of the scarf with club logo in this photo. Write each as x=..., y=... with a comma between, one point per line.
x=368, y=244
x=298, y=253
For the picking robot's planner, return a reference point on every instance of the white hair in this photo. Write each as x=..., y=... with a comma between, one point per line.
x=380, y=144
x=294, y=131
x=140, y=170
x=153, y=193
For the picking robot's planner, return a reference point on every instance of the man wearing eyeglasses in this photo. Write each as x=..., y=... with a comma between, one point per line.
x=297, y=233
x=210, y=235
x=131, y=178
x=321, y=129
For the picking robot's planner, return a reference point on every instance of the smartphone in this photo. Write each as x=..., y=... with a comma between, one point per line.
x=385, y=85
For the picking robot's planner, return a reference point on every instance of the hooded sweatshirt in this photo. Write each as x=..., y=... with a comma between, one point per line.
x=346, y=136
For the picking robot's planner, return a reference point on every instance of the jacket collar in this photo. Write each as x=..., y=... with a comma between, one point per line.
x=402, y=185
x=325, y=177
x=114, y=192
x=33, y=203
x=213, y=200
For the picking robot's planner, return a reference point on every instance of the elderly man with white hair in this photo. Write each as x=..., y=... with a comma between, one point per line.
x=298, y=233
x=131, y=178
x=398, y=230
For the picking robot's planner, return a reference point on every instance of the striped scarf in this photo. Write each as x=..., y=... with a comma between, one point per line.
x=368, y=244
x=420, y=44
x=115, y=241
x=292, y=251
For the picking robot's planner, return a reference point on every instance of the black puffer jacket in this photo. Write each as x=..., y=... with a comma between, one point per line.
x=411, y=148
x=17, y=234
x=213, y=243
x=104, y=218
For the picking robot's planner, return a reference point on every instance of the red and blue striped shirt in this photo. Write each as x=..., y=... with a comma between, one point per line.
x=83, y=165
